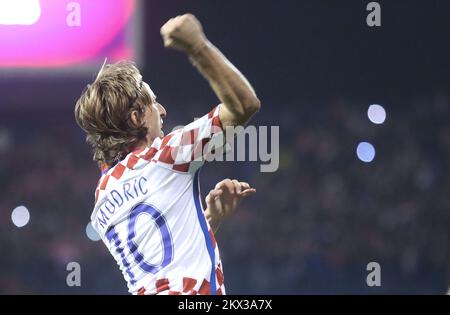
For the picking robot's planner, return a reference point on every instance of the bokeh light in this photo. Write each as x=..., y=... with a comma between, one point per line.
x=376, y=114
x=365, y=152
x=20, y=216
x=92, y=233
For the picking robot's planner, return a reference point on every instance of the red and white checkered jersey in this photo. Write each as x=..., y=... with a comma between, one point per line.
x=149, y=214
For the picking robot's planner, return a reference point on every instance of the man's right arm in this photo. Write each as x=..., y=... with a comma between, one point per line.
x=240, y=102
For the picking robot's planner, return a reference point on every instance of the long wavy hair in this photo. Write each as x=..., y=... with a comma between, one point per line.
x=104, y=112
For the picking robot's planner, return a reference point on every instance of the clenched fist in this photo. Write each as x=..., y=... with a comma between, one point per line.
x=184, y=33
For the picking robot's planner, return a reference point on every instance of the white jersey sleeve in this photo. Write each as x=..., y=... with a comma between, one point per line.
x=187, y=148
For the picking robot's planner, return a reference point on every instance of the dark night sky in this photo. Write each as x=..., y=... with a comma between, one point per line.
x=291, y=51
x=314, y=49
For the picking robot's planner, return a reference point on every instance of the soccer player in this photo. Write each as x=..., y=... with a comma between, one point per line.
x=147, y=203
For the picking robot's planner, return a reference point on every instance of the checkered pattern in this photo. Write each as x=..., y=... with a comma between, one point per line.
x=190, y=286
x=183, y=150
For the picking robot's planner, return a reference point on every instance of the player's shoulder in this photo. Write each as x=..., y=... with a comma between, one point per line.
x=119, y=171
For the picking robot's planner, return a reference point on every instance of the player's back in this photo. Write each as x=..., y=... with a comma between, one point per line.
x=148, y=212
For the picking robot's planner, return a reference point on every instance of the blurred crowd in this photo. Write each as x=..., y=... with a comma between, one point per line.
x=312, y=227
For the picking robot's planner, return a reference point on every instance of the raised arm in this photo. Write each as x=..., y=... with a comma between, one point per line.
x=239, y=100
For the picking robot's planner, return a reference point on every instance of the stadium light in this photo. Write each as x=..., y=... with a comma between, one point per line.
x=376, y=114
x=19, y=12
x=365, y=152
x=92, y=233
x=20, y=216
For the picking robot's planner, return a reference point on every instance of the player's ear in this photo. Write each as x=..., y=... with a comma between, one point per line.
x=136, y=118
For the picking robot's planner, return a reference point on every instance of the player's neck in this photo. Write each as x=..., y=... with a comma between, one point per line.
x=142, y=144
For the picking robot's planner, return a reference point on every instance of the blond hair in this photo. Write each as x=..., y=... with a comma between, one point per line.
x=104, y=112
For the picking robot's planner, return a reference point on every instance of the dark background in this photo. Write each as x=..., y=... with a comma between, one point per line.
x=324, y=215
